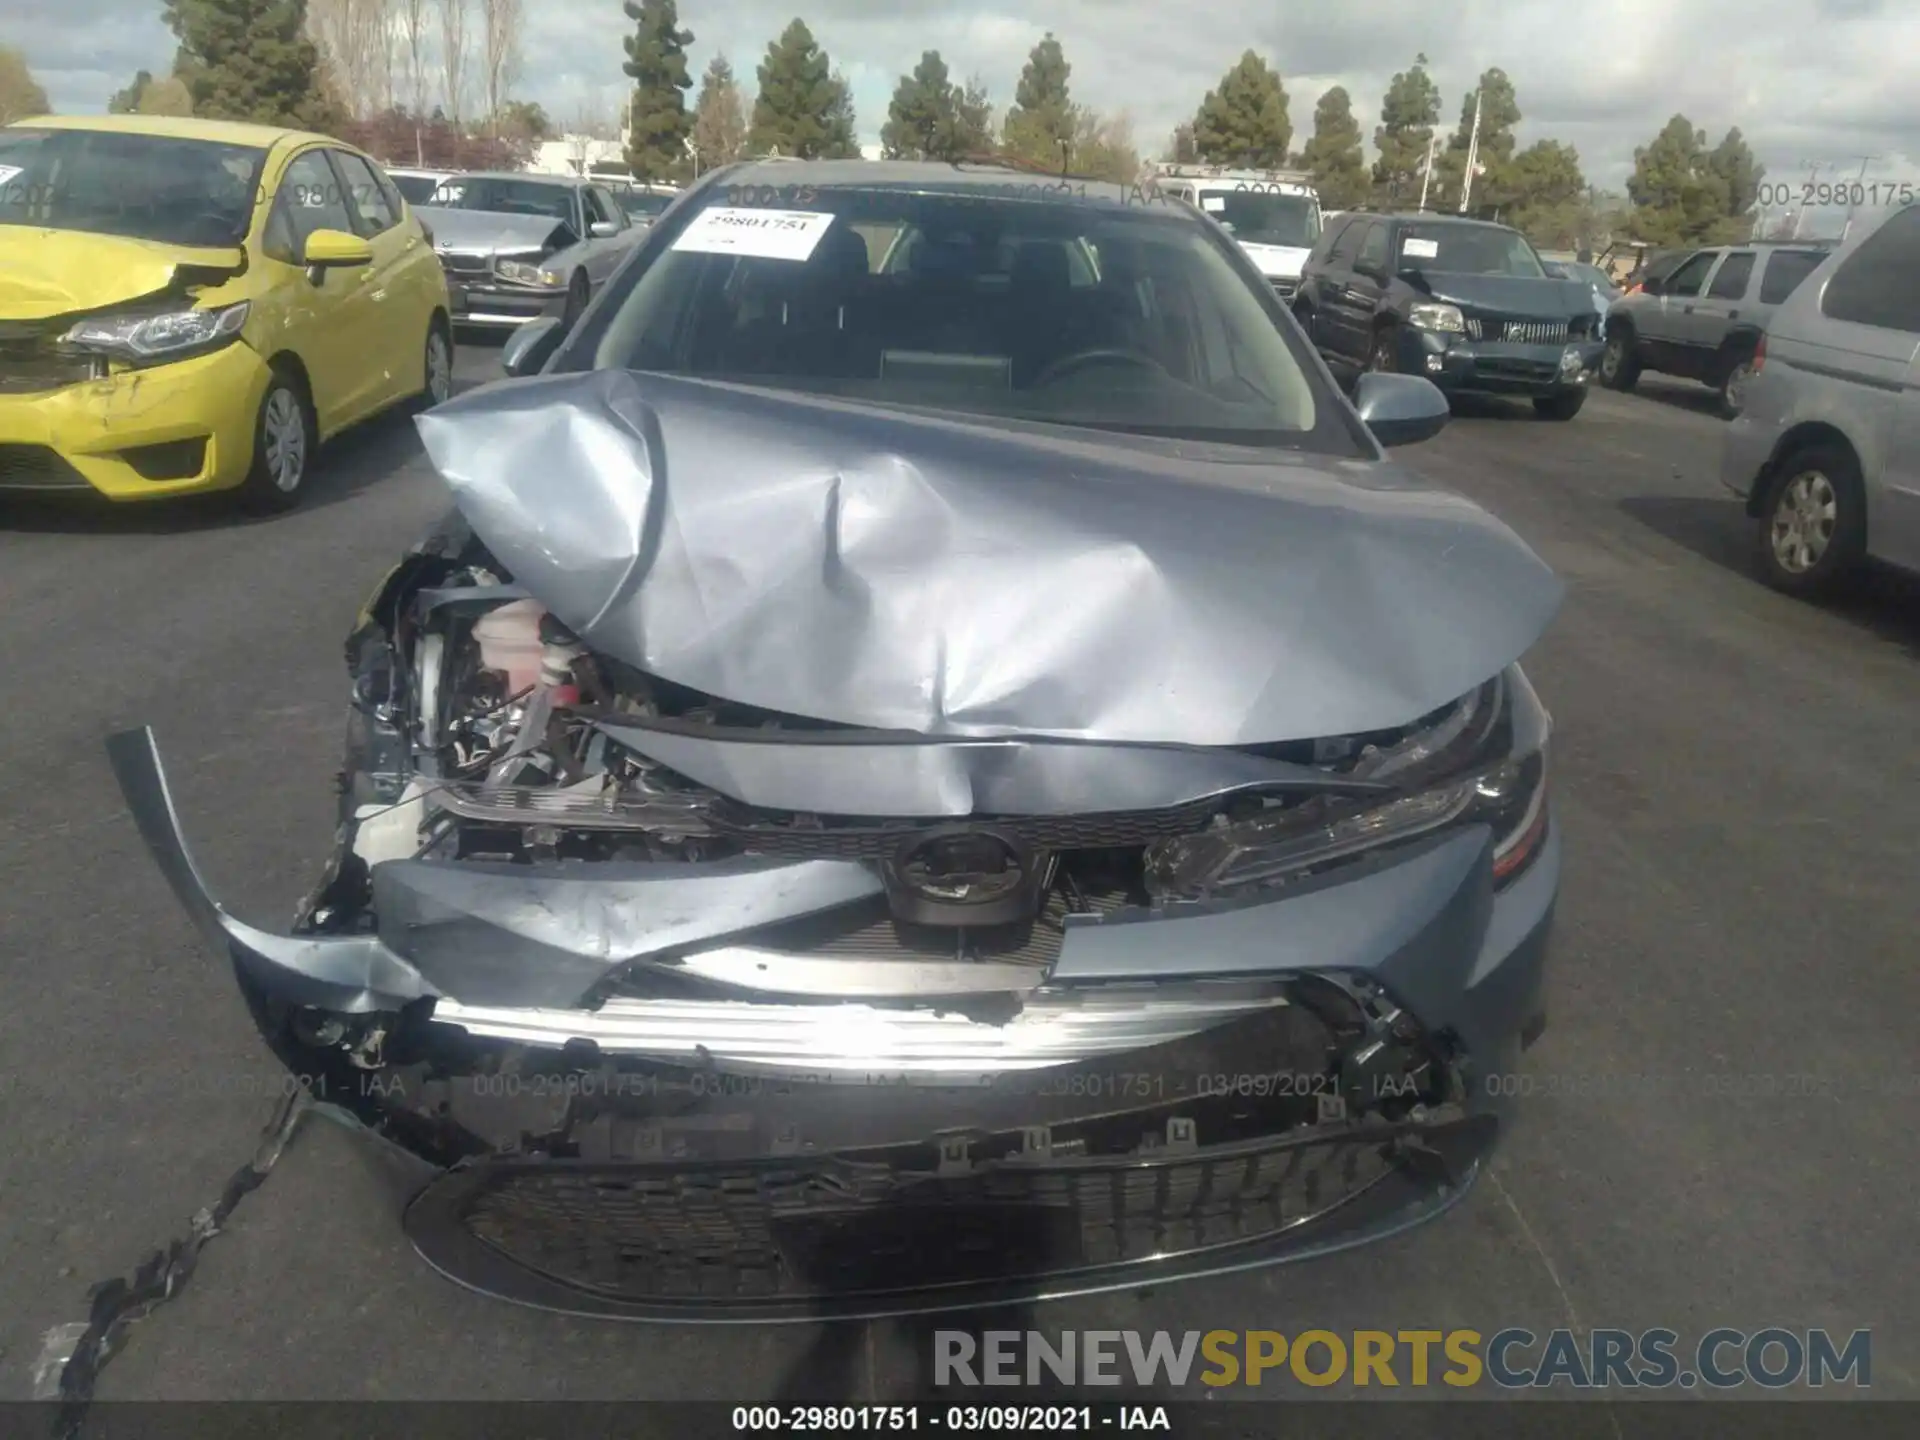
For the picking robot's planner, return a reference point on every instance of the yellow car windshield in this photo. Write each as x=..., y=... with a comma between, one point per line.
x=147, y=187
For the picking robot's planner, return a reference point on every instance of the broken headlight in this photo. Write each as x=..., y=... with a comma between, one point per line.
x=525, y=272
x=169, y=335
x=1484, y=761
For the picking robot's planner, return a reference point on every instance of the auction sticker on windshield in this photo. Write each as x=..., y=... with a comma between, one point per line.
x=763, y=234
x=1424, y=249
x=1213, y=202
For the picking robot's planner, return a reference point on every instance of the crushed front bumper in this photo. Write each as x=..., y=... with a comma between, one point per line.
x=631, y=1112
x=1498, y=367
x=143, y=434
x=486, y=305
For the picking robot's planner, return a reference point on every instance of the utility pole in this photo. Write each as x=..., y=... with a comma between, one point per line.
x=1426, y=167
x=1859, y=182
x=1473, y=156
x=1800, y=213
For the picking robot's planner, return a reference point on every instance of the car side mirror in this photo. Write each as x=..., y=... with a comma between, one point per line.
x=530, y=347
x=335, y=250
x=1400, y=409
x=603, y=229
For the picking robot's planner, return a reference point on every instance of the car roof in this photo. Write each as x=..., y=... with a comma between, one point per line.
x=950, y=177
x=571, y=181
x=1427, y=217
x=177, y=127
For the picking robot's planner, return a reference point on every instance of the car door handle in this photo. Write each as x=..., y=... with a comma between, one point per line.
x=1686, y=310
x=1733, y=314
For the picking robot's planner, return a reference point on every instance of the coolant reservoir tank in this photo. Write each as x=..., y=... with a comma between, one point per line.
x=509, y=640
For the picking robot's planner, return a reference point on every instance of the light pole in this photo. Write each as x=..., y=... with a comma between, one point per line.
x=1473, y=156
x=1858, y=188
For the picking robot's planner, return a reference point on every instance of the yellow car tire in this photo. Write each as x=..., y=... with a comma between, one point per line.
x=436, y=365
x=285, y=437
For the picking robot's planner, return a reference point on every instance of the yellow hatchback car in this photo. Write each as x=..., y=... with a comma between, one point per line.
x=192, y=305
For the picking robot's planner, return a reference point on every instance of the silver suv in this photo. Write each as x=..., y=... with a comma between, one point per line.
x=1827, y=455
x=1703, y=319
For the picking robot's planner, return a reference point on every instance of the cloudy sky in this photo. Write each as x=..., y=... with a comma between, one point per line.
x=1808, y=81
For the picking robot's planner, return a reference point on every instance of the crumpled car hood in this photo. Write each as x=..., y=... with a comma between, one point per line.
x=481, y=230
x=947, y=576
x=48, y=273
x=1509, y=294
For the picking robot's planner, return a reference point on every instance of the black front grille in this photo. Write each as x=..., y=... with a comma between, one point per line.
x=35, y=467
x=30, y=362
x=1510, y=369
x=756, y=831
x=465, y=265
x=747, y=1232
x=1519, y=332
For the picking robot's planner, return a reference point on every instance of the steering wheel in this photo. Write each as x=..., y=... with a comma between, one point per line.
x=1088, y=359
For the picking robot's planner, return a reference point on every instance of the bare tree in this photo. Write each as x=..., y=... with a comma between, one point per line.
x=355, y=41
x=500, y=35
x=380, y=17
x=453, y=54
x=413, y=35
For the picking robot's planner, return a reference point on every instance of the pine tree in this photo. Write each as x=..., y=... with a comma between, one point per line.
x=658, y=122
x=1040, y=126
x=1679, y=196
x=1244, y=120
x=1499, y=113
x=843, y=134
x=931, y=118
x=1333, y=155
x=803, y=109
x=250, y=60
x=1407, y=117
x=719, y=116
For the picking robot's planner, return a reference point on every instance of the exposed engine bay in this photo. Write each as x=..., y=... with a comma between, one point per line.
x=490, y=733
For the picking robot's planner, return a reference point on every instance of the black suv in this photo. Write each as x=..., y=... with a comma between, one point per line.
x=1465, y=303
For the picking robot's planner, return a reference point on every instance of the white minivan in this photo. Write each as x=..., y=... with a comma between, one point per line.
x=1826, y=451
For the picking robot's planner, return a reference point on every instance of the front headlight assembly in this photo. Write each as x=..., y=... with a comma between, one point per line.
x=522, y=272
x=147, y=338
x=1442, y=319
x=1483, y=761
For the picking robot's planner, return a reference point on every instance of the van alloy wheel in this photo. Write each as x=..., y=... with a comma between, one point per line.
x=1803, y=521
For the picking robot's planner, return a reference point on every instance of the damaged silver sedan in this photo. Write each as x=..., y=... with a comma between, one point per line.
x=933, y=762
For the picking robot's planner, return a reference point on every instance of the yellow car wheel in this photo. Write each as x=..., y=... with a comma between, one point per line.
x=284, y=440
x=436, y=365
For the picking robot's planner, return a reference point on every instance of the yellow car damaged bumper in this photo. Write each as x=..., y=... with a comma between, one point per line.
x=140, y=434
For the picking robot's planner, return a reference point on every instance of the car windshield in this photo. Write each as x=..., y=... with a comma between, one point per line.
x=1466, y=249
x=506, y=196
x=643, y=204
x=114, y=182
x=1265, y=217
x=418, y=189
x=1131, y=320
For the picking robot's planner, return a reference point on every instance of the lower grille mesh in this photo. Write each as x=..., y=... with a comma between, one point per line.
x=821, y=1228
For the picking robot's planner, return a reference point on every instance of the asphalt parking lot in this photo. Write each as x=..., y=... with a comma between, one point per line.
x=1737, y=780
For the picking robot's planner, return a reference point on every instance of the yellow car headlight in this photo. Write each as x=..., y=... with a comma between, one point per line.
x=167, y=335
